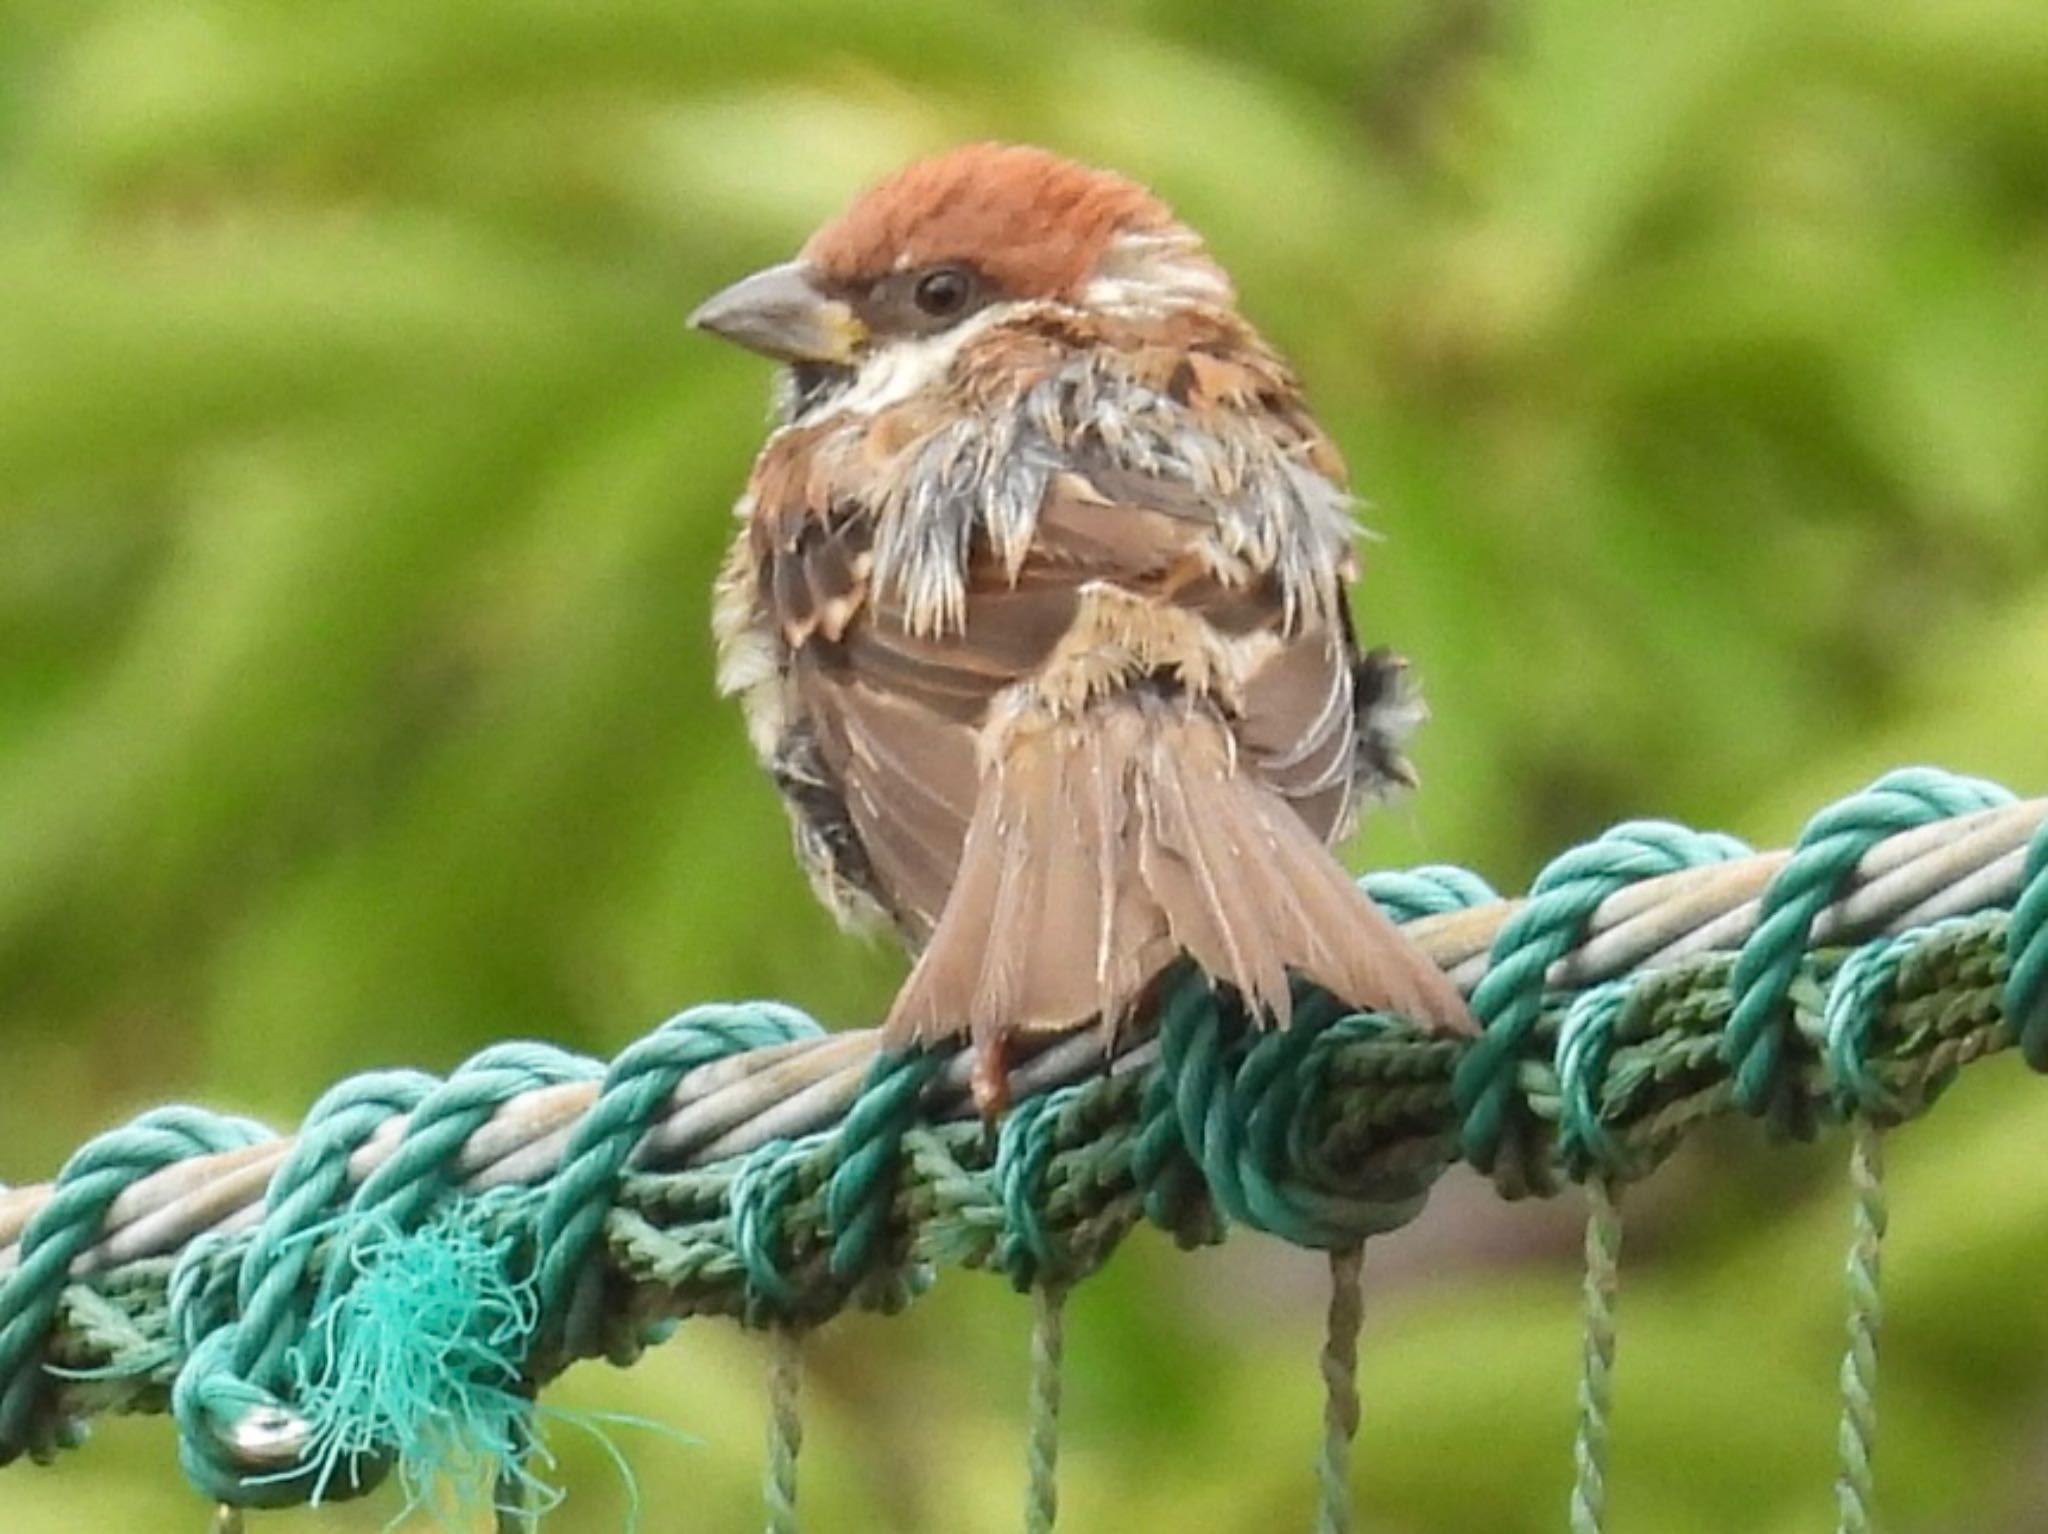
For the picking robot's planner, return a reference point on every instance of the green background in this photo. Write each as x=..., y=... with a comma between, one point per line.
x=360, y=488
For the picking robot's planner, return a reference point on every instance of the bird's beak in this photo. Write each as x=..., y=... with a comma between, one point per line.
x=780, y=313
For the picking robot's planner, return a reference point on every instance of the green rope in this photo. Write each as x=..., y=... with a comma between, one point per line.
x=33, y=1292
x=1322, y=1133
x=2026, y=971
x=1377, y=1111
x=1497, y=1134
x=785, y=1427
x=514, y=1513
x=1823, y=859
x=1596, y=1369
x=1048, y=1356
x=512, y=1498
x=1340, y=1389
x=1863, y=1096
x=1858, y=1434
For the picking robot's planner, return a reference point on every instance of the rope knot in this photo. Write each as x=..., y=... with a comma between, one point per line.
x=756, y=1201
x=413, y=1363
x=1585, y=1048
x=1026, y=1249
x=1252, y=1110
x=1822, y=861
x=33, y=1419
x=235, y=1432
x=1496, y=1135
x=1890, y=975
x=870, y=1251
x=639, y=1083
x=349, y=1347
x=1855, y=997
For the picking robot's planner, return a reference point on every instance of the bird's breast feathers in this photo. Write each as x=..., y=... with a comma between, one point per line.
x=953, y=447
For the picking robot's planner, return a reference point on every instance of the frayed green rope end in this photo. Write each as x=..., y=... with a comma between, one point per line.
x=417, y=1358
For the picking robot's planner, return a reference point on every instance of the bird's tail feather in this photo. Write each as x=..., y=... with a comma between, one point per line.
x=1101, y=849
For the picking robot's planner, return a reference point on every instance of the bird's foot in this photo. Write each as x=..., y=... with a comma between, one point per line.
x=990, y=1079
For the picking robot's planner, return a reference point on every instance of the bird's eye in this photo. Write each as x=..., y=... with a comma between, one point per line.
x=943, y=292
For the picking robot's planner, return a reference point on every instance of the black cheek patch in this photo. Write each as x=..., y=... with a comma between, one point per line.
x=812, y=384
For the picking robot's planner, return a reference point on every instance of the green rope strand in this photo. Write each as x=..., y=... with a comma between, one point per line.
x=1048, y=1355
x=516, y=1515
x=1596, y=1369
x=785, y=1427
x=1858, y=1434
x=512, y=1496
x=1340, y=1388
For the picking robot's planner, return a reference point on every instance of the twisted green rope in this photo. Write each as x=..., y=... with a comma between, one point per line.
x=514, y=1513
x=785, y=1427
x=1378, y=1116
x=1048, y=1357
x=1596, y=1370
x=1868, y=1102
x=1322, y=1133
x=513, y=1510
x=1857, y=1437
x=1826, y=853
x=1339, y=1363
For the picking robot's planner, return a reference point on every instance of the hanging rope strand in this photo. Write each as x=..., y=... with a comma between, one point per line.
x=515, y=1516
x=512, y=1496
x=1340, y=1389
x=785, y=1426
x=1048, y=1359
x=1858, y=1435
x=1596, y=1370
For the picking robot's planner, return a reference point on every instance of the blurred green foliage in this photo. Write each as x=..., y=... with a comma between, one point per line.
x=360, y=488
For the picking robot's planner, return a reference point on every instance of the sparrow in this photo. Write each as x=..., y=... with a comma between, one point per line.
x=1038, y=613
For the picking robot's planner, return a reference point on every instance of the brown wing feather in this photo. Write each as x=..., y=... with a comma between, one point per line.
x=907, y=779
x=896, y=712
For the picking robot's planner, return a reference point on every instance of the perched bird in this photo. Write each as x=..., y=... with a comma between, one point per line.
x=1038, y=611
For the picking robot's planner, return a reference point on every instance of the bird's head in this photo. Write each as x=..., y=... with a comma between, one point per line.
x=960, y=239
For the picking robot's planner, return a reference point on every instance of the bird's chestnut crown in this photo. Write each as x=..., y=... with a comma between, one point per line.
x=947, y=237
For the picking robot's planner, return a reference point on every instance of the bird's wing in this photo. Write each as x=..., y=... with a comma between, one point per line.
x=884, y=717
